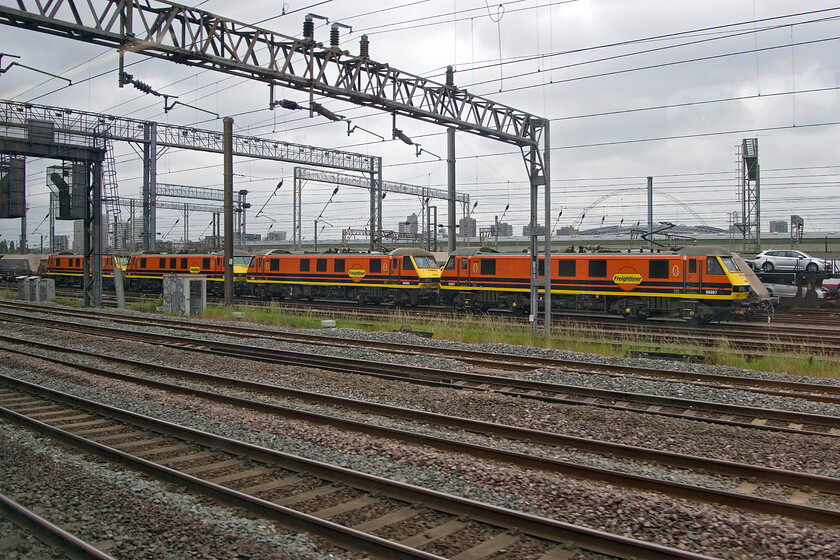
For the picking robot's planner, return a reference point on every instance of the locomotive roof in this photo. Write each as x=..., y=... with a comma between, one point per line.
x=706, y=250
x=414, y=252
x=693, y=251
x=469, y=251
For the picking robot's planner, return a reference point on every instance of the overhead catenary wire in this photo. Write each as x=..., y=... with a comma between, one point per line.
x=485, y=156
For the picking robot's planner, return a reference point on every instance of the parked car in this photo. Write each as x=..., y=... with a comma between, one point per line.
x=771, y=260
x=752, y=265
x=789, y=291
x=832, y=285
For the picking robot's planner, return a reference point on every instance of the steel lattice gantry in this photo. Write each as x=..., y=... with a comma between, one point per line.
x=185, y=207
x=41, y=138
x=750, y=178
x=302, y=174
x=203, y=193
x=84, y=127
x=194, y=37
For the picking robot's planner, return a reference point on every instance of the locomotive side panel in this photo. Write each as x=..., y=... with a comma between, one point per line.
x=691, y=285
x=363, y=278
x=68, y=270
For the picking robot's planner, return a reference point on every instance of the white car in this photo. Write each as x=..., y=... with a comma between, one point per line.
x=789, y=291
x=787, y=259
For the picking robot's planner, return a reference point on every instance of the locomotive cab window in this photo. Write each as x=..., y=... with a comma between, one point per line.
x=338, y=265
x=375, y=265
x=598, y=268
x=692, y=266
x=395, y=263
x=567, y=268
x=450, y=264
x=713, y=266
x=730, y=264
x=464, y=264
x=320, y=265
x=304, y=265
x=425, y=262
x=407, y=264
x=659, y=269
x=488, y=266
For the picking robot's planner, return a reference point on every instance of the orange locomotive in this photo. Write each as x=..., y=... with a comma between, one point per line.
x=699, y=284
x=67, y=270
x=145, y=272
x=403, y=276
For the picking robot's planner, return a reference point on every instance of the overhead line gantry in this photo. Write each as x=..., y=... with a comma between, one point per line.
x=193, y=37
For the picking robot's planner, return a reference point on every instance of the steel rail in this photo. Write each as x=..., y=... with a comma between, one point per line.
x=496, y=360
x=508, y=386
x=729, y=468
x=48, y=533
x=532, y=525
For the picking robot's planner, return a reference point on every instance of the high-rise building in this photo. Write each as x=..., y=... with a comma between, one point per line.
x=466, y=227
x=778, y=226
x=526, y=230
x=505, y=229
x=409, y=225
x=79, y=236
x=275, y=236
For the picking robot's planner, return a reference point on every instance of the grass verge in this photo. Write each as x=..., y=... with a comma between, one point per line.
x=574, y=337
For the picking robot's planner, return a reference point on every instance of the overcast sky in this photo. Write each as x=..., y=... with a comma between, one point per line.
x=657, y=88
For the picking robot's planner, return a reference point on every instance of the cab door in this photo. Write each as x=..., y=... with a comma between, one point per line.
x=692, y=279
x=464, y=274
x=394, y=272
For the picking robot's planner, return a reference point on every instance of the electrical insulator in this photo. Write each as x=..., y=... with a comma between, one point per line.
x=287, y=104
x=450, y=76
x=309, y=26
x=323, y=111
x=364, y=47
x=334, y=33
x=399, y=134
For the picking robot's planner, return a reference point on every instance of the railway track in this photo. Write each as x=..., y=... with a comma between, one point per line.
x=326, y=500
x=48, y=533
x=758, y=338
x=490, y=361
x=704, y=411
x=791, y=490
x=797, y=332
